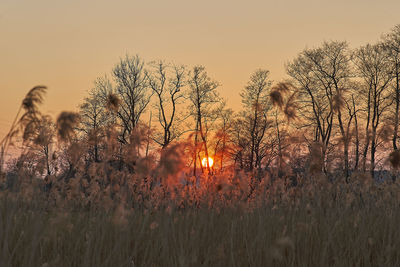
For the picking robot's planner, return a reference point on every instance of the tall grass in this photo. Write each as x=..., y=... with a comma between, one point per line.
x=315, y=231
x=147, y=211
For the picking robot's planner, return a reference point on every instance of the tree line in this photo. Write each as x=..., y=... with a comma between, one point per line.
x=338, y=110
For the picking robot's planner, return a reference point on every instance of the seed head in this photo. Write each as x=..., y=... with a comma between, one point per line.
x=276, y=98
x=113, y=102
x=66, y=123
x=394, y=159
x=34, y=98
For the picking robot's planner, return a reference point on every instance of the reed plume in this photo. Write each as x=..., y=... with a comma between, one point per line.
x=113, y=102
x=30, y=105
x=280, y=97
x=394, y=159
x=276, y=98
x=338, y=102
x=283, y=87
x=34, y=98
x=66, y=124
x=290, y=109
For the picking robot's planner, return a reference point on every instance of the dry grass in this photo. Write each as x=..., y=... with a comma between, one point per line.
x=352, y=229
x=131, y=209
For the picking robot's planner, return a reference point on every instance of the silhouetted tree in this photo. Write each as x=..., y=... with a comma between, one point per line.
x=94, y=119
x=374, y=68
x=322, y=76
x=39, y=138
x=283, y=97
x=133, y=89
x=353, y=106
x=166, y=83
x=202, y=95
x=255, y=100
x=391, y=43
x=222, y=138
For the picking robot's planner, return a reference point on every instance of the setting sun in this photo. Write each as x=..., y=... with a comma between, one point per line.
x=210, y=161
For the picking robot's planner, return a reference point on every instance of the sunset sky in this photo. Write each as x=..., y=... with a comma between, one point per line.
x=67, y=44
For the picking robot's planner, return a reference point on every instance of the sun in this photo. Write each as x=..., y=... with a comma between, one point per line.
x=210, y=161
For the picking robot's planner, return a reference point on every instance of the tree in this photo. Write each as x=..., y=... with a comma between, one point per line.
x=255, y=100
x=167, y=86
x=202, y=95
x=283, y=97
x=353, y=104
x=240, y=140
x=314, y=108
x=134, y=92
x=374, y=68
x=322, y=76
x=391, y=43
x=94, y=118
x=222, y=138
x=38, y=137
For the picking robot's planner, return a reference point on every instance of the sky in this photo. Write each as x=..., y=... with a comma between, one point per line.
x=67, y=44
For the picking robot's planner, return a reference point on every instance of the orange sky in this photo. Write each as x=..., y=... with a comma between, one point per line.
x=66, y=44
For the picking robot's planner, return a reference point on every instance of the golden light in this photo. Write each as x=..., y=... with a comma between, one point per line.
x=204, y=162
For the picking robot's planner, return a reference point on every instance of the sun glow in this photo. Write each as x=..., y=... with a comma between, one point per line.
x=210, y=161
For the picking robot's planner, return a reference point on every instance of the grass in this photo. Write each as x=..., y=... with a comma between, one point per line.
x=149, y=213
x=315, y=230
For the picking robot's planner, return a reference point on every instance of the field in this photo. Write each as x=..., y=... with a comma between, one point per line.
x=312, y=224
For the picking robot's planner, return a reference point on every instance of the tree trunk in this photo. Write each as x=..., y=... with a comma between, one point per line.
x=357, y=137
x=195, y=150
x=345, y=146
x=373, y=149
x=396, y=114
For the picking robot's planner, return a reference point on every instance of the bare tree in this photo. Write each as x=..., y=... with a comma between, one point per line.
x=134, y=92
x=391, y=43
x=322, y=76
x=283, y=97
x=222, y=138
x=166, y=83
x=353, y=104
x=255, y=99
x=314, y=108
x=44, y=140
x=374, y=68
x=202, y=95
x=94, y=119
x=240, y=140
